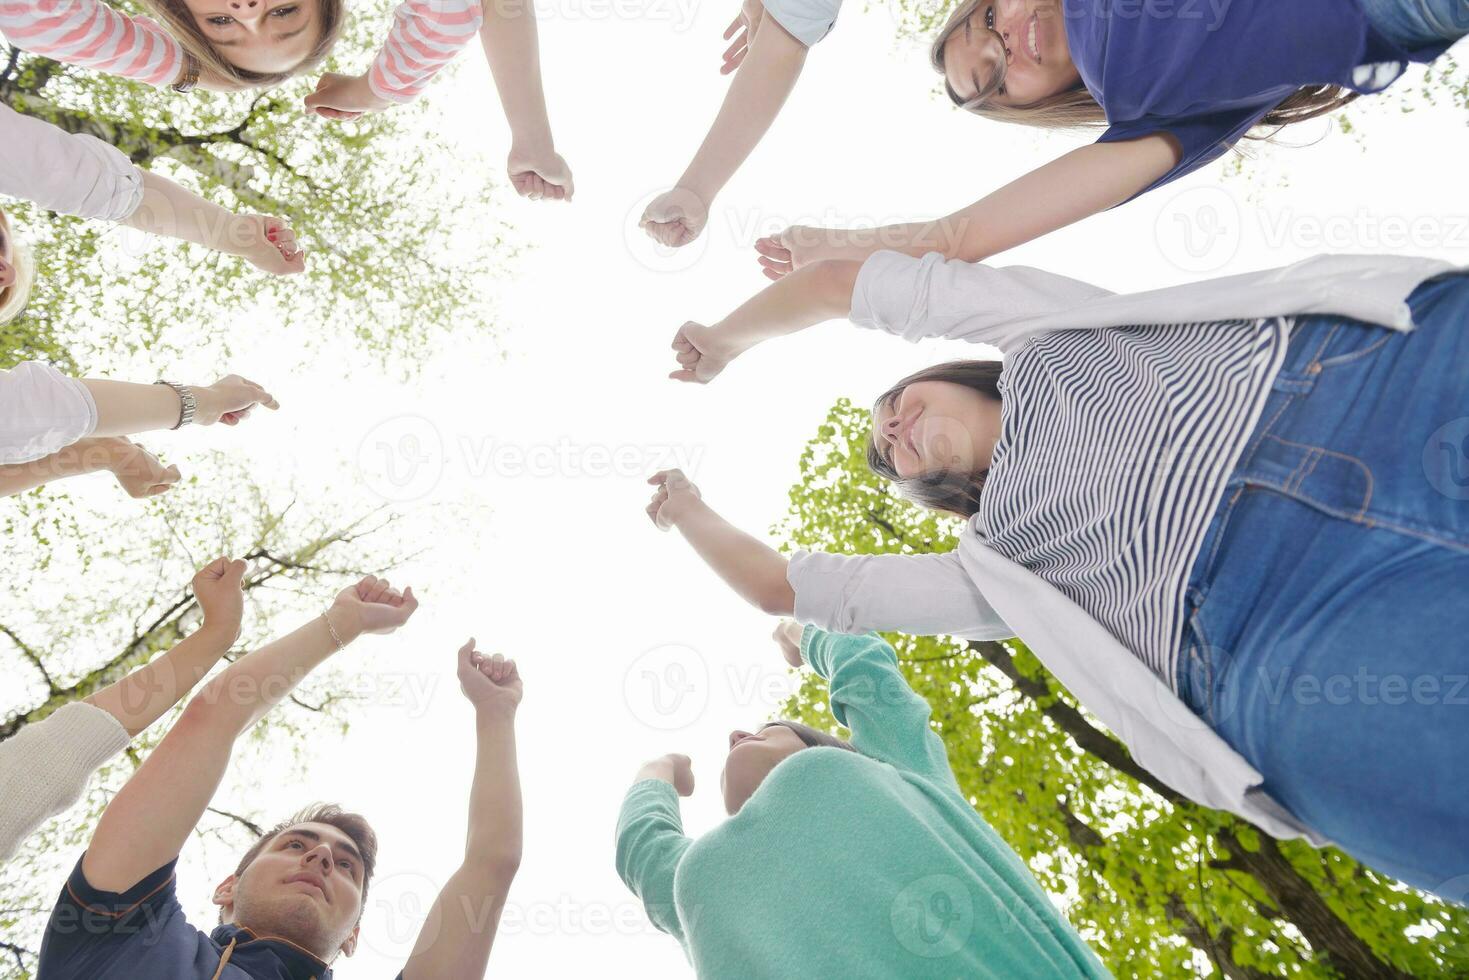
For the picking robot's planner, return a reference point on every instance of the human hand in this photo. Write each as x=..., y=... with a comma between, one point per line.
x=675, y=218
x=539, y=174
x=268, y=244
x=702, y=353
x=675, y=769
x=219, y=587
x=229, y=400
x=745, y=24
x=489, y=682
x=787, y=636
x=138, y=471
x=340, y=96
x=801, y=245
x=370, y=606
x=673, y=498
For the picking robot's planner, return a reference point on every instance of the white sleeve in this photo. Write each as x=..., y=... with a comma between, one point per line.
x=924, y=595
x=64, y=172
x=41, y=411
x=933, y=297
x=808, y=21
x=45, y=767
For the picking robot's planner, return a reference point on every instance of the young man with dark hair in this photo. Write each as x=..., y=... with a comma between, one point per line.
x=295, y=901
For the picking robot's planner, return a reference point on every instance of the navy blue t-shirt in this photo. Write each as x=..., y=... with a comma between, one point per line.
x=1207, y=71
x=97, y=935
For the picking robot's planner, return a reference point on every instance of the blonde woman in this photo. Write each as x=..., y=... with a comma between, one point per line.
x=1173, y=85
x=241, y=44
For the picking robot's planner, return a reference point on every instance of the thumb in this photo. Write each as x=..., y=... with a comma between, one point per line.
x=465, y=652
x=235, y=572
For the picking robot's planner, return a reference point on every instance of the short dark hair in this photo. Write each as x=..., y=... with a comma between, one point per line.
x=354, y=825
x=953, y=493
x=813, y=736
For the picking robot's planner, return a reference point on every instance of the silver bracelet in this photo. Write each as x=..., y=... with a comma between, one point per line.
x=333, y=631
x=188, y=404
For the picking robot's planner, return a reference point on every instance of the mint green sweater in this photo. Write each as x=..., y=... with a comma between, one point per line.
x=846, y=865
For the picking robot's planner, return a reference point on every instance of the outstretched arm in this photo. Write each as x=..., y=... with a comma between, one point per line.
x=141, y=698
x=650, y=837
x=769, y=70
x=1082, y=183
x=512, y=49
x=756, y=571
x=148, y=821
x=174, y=211
x=456, y=938
x=815, y=294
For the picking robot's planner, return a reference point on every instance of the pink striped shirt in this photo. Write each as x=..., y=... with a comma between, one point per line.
x=425, y=36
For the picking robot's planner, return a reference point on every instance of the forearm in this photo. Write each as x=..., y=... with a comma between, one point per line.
x=142, y=697
x=252, y=685
x=83, y=456
x=512, y=48
x=460, y=930
x=754, y=99
x=495, y=834
x=754, y=570
x=1082, y=183
x=125, y=408
x=174, y=211
x=812, y=294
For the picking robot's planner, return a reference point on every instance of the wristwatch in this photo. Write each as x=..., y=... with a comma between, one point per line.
x=189, y=76
x=187, y=402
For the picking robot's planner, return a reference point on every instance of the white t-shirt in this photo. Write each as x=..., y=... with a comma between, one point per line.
x=808, y=21
x=69, y=173
x=41, y=411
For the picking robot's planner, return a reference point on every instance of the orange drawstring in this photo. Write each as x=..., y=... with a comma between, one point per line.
x=229, y=950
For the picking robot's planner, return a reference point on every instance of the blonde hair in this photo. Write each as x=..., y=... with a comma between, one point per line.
x=199, y=50
x=1076, y=109
x=13, y=298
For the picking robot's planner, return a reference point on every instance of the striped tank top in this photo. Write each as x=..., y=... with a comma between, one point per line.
x=1114, y=450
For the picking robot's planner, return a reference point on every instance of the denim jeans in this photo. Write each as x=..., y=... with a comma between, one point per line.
x=1326, y=632
x=1419, y=23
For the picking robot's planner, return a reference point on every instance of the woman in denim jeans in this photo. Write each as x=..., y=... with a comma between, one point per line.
x=1231, y=517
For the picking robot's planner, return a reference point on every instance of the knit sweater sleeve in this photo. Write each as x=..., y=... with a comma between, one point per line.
x=426, y=35
x=44, y=768
x=650, y=844
x=90, y=34
x=870, y=695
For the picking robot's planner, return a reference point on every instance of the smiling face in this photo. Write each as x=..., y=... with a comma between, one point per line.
x=1009, y=53
x=305, y=885
x=752, y=756
x=936, y=428
x=262, y=36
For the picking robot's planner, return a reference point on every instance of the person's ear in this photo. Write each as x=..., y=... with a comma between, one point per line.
x=224, y=896
x=349, y=945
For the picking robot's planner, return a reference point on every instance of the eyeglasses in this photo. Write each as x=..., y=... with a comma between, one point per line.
x=992, y=60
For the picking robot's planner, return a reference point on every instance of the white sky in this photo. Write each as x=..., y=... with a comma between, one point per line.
x=564, y=572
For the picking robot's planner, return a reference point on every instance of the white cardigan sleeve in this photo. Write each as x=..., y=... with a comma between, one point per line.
x=45, y=767
x=925, y=595
x=934, y=297
x=41, y=411
x=65, y=172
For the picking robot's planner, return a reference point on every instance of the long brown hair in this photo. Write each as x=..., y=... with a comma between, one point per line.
x=1076, y=109
x=179, y=21
x=953, y=493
